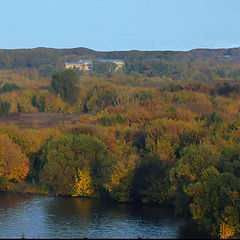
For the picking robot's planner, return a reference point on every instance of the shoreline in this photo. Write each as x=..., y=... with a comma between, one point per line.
x=170, y=206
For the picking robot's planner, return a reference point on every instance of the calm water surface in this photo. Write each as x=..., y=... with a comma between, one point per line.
x=32, y=216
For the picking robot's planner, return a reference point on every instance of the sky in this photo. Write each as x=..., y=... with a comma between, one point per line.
x=109, y=25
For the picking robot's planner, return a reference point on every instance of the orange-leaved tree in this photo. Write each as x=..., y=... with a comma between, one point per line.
x=14, y=165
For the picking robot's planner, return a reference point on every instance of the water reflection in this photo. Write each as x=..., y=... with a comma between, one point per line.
x=13, y=200
x=52, y=217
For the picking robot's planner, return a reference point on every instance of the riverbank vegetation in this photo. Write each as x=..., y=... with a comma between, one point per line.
x=139, y=138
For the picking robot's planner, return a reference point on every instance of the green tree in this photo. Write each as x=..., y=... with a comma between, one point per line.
x=193, y=162
x=4, y=108
x=67, y=156
x=65, y=83
x=215, y=203
x=39, y=102
x=151, y=181
x=230, y=160
x=8, y=87
x=104, y=67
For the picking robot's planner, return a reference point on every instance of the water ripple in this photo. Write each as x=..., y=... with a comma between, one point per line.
x=50, y=217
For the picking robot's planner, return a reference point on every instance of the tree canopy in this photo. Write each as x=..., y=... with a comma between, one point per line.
x=65, y=83
x=70, y=158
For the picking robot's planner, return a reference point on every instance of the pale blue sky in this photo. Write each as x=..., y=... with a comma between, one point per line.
x=120, y=24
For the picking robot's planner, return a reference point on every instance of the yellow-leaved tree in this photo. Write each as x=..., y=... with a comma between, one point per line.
x=83, y=185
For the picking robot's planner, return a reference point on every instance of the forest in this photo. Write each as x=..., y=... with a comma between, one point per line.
x=155, y=134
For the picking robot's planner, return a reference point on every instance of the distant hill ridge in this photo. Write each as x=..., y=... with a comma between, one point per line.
x=47, y=60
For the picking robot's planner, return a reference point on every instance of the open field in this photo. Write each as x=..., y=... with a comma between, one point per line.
x=39, y=120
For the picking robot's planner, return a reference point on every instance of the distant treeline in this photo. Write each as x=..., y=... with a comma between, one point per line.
x=203, y=65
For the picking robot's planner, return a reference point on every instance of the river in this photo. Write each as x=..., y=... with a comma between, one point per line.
x=34, y=216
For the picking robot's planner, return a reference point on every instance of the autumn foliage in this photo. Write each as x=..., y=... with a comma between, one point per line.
x=148, y=140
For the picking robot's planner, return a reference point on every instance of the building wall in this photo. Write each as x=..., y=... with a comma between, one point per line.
x=87, y=66
x=80, y=66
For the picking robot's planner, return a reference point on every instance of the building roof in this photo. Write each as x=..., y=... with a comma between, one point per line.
x=95, y=60
x=109, y=60
x=71, y=63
